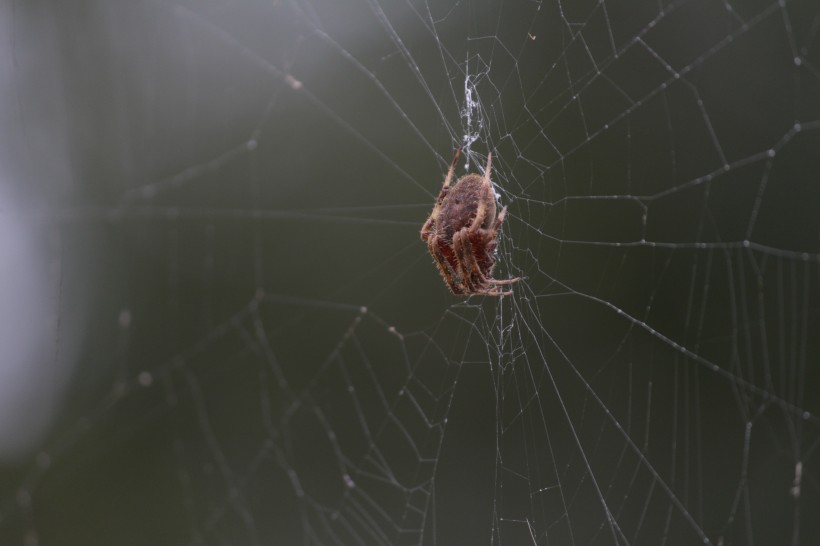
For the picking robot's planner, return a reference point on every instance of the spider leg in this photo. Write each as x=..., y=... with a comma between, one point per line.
x=467, y=261
x=493, y=231
x=503, y=281
x=452, y=169
x=450, y=277
x=427, y=227
x=445, y=189
x=463, y=262
x=481, y=211
x=488, y=168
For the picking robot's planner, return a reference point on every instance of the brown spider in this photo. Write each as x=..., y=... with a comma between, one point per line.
x=461, y=233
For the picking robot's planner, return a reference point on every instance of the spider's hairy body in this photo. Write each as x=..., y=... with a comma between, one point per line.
x=461, y=233
x=459, y=210
x=460, y=205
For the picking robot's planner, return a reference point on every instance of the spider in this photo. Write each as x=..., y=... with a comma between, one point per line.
x=461, y=233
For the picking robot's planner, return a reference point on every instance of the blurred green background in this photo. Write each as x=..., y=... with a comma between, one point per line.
x=222, y=327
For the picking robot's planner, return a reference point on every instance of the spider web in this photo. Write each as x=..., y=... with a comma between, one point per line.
x=240, y=339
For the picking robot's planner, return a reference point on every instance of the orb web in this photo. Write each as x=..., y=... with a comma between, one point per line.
x=266, y=353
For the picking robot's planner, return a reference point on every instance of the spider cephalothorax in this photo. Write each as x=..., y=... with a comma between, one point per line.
x=461, y=233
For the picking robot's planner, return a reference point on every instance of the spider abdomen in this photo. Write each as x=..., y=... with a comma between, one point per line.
x=461, y=205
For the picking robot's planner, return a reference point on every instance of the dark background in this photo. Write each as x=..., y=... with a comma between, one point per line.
x=247, y=343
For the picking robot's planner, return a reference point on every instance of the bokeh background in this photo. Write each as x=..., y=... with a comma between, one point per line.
x=219, y=326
